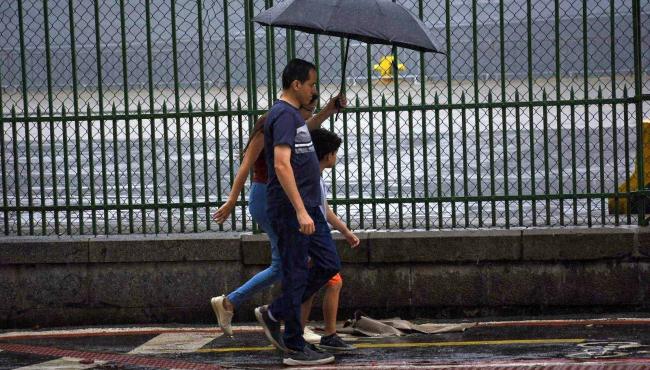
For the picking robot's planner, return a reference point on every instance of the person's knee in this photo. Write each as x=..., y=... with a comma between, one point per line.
x=335, y=287
x=276, y=270
x=335, y=283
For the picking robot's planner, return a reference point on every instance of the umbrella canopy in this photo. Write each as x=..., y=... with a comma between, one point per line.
x=370, y=21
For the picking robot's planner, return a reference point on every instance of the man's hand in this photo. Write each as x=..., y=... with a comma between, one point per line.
x=306, y=223
x=331, y=107
x=352, y=239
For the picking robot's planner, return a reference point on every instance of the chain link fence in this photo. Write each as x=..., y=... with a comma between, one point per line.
x=131, y=116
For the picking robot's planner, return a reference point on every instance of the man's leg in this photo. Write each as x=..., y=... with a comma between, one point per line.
x=322, y=250
x=293, y=246
x=305, y=310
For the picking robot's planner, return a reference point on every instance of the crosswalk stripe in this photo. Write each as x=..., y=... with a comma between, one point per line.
x=156, y=362
x=107, y=331
x=176, y=343
x=63, y=363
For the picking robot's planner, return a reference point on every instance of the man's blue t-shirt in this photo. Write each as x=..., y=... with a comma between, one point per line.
x=285, y=126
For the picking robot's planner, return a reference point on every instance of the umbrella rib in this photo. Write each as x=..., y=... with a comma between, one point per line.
x=336, y=7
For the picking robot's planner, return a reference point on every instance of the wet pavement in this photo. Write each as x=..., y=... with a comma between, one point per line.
x=586, y=342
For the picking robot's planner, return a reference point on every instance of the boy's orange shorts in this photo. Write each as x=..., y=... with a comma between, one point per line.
x=335, y=280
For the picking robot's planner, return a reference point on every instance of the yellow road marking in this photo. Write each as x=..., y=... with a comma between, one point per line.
x=416, y=344
x=469, y=343
x=236, y=349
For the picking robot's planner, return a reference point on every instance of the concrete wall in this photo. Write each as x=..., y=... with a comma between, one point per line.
x=142, y=279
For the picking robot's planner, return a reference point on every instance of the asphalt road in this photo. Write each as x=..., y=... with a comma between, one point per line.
x=586, y=342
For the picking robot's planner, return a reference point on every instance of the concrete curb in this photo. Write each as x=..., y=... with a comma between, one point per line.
x=126, y=279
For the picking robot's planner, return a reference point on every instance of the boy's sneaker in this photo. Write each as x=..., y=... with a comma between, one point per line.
x=334, y=343
x=271, y=328
x=309, y=336
x=224, y=317
x=308, y=356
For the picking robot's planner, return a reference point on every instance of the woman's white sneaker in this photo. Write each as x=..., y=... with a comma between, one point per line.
x=224, y=317
x=309, y=336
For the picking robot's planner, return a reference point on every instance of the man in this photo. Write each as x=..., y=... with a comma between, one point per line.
x=293, y=200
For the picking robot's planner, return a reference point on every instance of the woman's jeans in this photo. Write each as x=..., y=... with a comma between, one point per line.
x=273, y=273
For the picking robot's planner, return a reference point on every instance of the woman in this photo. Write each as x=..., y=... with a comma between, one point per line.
x=225, y=305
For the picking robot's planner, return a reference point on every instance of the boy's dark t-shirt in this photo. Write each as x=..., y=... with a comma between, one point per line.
x=285, y=126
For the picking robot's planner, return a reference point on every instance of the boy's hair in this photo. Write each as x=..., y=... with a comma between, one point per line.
x=297, y=69
x=325, y=142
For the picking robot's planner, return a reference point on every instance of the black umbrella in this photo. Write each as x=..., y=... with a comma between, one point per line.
x=370, y=21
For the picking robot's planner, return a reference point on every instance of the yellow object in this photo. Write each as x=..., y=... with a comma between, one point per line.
x=385, y=67
x=634, y=182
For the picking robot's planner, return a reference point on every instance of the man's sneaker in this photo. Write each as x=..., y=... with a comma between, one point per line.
x=271, y=328
x=224, y=317
x=334, y=343
x=309, y=336
x=308, y=356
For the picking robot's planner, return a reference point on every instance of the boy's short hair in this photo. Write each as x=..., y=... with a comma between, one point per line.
x=296, y=70
x=325, y=142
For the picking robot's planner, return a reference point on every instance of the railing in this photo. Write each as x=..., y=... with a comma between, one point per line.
x=131, y=116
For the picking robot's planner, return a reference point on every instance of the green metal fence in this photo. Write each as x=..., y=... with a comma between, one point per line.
x=131, y=116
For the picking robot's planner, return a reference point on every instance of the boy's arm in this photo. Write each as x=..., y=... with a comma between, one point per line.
x=339, y=225
x=282, y=165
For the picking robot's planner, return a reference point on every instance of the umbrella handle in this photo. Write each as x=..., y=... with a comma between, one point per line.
x=345, y=62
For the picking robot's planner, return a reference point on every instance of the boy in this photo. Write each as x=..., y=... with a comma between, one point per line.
x=327, y=144
x=293, y=199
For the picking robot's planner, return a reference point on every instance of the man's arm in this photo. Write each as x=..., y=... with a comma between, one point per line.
x=282, y=165
x=317, y=119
